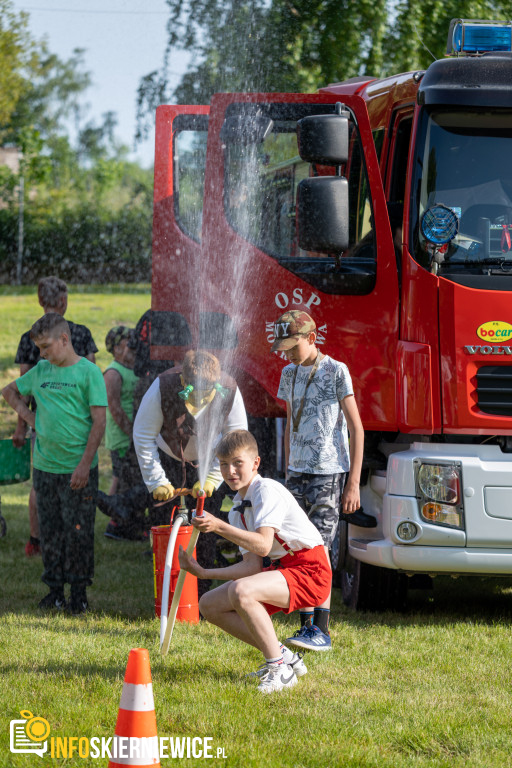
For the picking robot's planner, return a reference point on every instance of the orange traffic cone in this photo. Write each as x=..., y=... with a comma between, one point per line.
x=135, y=741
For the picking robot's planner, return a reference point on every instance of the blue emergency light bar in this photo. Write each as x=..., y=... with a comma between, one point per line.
x=467, y=36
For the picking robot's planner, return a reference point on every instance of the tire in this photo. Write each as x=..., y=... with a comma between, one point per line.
x=370, y=588
x=338, y=553
x=358, y=585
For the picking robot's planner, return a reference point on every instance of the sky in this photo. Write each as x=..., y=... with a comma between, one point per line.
x=123, y=40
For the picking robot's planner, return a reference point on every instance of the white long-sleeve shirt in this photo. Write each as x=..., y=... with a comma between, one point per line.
x=147, y=438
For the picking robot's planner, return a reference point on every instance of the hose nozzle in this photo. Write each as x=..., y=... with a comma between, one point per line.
x=223, y=391
x=201, y=496
x=185, y=393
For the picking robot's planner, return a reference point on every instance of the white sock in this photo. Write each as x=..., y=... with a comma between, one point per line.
x=276, y=661
x=287, y=654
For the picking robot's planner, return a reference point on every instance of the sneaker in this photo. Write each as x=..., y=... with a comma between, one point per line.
x=298, y=665
x=32, y=550
x=54, y=599
x=311, y=638
x=360, y=518
x=276, y=678
x=295, y=663
x=78, y=603
x=125, y=533
x=262, y=670
x=298, y=634
x=113, y=531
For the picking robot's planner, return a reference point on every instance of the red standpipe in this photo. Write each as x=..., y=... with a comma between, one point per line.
x=201, y=496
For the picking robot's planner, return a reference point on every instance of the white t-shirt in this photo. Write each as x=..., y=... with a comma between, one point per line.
x=147, y=438
x=273, y=506
x=320, y=446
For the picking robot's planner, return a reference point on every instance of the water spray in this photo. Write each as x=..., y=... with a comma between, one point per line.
x=167, y=621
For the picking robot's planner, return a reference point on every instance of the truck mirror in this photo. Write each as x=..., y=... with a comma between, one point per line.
x=245, y=129
x=323, y=139
x=322, y=214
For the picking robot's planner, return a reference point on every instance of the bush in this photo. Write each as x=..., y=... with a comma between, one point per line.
x=79, y=246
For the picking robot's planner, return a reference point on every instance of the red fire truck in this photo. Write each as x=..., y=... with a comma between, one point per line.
x=391, y=223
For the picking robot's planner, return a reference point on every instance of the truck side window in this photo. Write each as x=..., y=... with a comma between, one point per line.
x=360, y=208
x=401, y=143
x=189, y=153
x=378, y=140
x=260, y=194
x=398, y=176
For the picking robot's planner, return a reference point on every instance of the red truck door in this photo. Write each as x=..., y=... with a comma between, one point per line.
x=253, y=269
x=180, y=156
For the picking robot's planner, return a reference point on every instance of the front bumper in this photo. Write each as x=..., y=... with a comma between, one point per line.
x=432, y=560
x=483, y=545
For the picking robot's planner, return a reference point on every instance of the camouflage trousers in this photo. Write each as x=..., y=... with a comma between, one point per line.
x=66, y=525
x=319, y=496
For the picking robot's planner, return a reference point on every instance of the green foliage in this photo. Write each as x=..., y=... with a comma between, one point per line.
x=298, y=45
x=82, y=244
x=421, y=29
x=17, y=60
x=86, y=209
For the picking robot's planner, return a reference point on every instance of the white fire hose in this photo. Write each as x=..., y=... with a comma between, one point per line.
x=167, y=621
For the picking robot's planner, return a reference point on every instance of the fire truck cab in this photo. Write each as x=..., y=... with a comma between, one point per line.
x=399, y=245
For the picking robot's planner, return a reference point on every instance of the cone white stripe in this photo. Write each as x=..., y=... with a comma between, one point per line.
x=137, y=697
x=147, y=746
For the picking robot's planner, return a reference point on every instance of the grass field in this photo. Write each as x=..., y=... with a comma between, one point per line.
x=429, y=688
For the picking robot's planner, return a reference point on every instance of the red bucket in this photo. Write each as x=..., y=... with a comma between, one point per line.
x=188, y=609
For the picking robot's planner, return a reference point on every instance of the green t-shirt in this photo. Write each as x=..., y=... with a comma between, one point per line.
x=115, y=438
x=64, y=396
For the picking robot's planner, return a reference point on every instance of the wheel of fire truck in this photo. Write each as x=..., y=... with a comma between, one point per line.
x=338, y=553
x=370, y=588
x=365, y=587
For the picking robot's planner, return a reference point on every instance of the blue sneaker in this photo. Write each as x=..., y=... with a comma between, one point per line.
x=300, y=633
x=310, y=638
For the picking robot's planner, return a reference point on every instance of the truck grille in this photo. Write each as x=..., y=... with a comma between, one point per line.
x=494, y=389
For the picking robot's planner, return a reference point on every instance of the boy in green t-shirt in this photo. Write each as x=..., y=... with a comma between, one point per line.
x=69, y=421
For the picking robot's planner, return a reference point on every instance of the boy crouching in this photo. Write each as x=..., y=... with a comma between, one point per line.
x=265, y=521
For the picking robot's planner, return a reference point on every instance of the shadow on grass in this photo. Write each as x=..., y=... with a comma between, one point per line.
x=469, y=599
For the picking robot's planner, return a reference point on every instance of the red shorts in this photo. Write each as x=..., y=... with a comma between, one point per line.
x=309, y=578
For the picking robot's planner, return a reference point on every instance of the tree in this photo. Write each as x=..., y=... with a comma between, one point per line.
x=419, y=32
x=297, y=45
x=256, y=45
x=17, y=57
x=87, y=211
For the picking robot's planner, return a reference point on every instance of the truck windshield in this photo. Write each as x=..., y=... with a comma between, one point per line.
x=464, y=161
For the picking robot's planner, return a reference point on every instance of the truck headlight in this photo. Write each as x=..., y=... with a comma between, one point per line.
x=440, y=482
x=438, y=492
